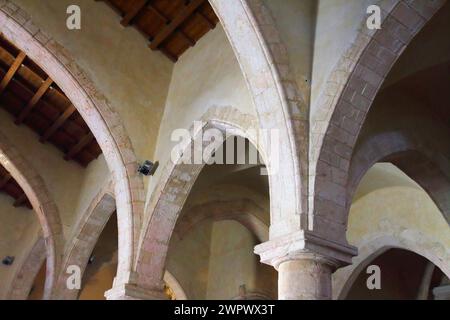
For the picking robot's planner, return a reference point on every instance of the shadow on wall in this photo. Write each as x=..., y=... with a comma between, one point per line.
x=403, y=274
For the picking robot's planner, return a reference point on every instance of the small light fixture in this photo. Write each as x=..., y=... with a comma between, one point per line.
x=91, y=259
x=148, y=168
x=8, y=260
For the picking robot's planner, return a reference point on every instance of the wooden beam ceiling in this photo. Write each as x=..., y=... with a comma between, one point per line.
x=33, y=99
x=172, y=26
x=181, y=17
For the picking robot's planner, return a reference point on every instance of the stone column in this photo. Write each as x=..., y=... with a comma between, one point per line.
x=305, y=263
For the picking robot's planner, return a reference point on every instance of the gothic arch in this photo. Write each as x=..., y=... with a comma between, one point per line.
x=413, y=157
x=364, y=68
x=104, y=123
x=44, y=207
x=373, y=247
x=243, y=211
x=86, y=235
x=25, y=276
x=170, y=194
x=262, y=57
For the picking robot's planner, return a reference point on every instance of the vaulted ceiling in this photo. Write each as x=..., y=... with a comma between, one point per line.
x=171, y=26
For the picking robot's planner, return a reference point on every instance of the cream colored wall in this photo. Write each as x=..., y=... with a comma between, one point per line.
x=295, y=21
x=206, y=75
x=397, y=210
x=69, y=184
x=133, y=78
x=232, y=263
x=188, y=260
x=18, y=231
x=394, y=209
x=337, y=26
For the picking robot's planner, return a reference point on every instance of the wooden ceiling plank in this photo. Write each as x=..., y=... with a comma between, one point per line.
x=79, y=146
x=165, y=20
x=175, y=23
x=168, y=54
x=12, y=71
x=33, y=102
x=186, y=38
x=158, y=13
x=5, y=180
x=58, y=123
x=205, y=19
x=135, y=10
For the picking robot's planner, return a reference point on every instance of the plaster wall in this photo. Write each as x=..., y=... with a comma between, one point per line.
x=338, y=22
x=69, y=184
x=404, y=212
x=18, y=230
x=188, y=260
x=233, y=264
x=295, y=21
x=207, y=75
x=133, y=78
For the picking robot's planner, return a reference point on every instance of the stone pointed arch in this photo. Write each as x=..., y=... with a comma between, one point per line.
x=172, y=191
x=43, y=205
x=244, y=211
x=85, y=238
x=373, y=247
x=104, y=123
x=411, y=155
x=25, y=276
x=263, y=59
x=361, y=72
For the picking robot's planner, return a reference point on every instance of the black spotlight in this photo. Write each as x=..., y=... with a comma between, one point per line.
x=91, y=259
x=7, y=261
x=148, y=168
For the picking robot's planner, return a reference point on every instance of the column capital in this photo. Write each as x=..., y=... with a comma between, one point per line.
x=305, y=245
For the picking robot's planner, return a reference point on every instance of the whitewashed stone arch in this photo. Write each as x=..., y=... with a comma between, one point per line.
x=410, y=154
x=86, y=235
x=24, y=278
x=43, y=205
x=171, y=193
x=245, y=211
x=350, y=93
x=104, y=122
x=264, y=62
x=376, y=245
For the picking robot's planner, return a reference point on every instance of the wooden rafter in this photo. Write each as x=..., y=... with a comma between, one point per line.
x=205, y=19
x=5, y=180
x=175, y=23
x=79, y=146
x=12, y=71
x=130, y=15
x=165, y=20
x=34, y=101
x=58, y=123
